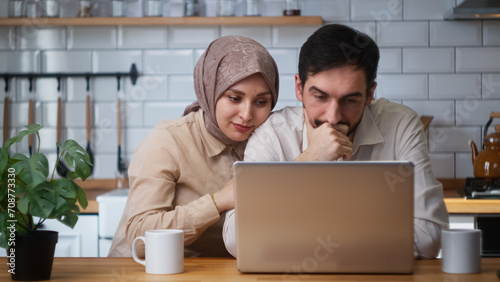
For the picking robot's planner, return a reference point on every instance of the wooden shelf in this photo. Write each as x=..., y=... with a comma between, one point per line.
x=147, y=21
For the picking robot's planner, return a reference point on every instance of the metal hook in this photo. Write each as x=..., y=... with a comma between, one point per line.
x=30, y=79
x=87, y=78
x=133, y=74
x=6, y=79
x=118, y=82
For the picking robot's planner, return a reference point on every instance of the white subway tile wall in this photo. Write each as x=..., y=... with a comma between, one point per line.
x=291, y=36
x=7, y=42
x=66, y=61
x=82, y=37
x=443, y=111
x=142, y=37
x=192, y=36
x=379, y=10
x=490, y=86
x=447, y=69
x=463, y=165
x=426, y=9
x=42, y=39
x=485, y=59
x=423, y=60
x=329, y=10
x=454, y=86
x=399, y=86
x=261, y=34
x=453, y=33
x=491, y=33
x=20, y=61
x=397, y=33
x=116, y=61
x=173, y=61
x=390, y=60
x=443, y=165
x=181, y=88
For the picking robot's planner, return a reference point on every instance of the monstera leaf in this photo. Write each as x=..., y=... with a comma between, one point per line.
x=27, y=192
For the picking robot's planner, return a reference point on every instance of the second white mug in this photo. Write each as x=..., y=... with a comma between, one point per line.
x=164, y=251
x=461, y=250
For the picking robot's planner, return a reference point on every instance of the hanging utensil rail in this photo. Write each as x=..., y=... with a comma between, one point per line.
x=133, y=74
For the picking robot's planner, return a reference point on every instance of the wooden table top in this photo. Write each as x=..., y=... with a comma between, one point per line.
x=224, y=269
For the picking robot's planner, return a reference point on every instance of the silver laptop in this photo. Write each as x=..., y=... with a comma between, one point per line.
x=324, y=217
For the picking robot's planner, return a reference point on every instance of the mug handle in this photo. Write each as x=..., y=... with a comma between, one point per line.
x=134, y=253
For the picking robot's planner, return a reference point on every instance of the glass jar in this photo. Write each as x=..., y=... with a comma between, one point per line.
x=226, y=8
x=292, y=8
x=16, y=9
x=194, y=8
x=117, y=8
x=251, y=8
x=152, y=8
x=49, y=8
x=31, y=9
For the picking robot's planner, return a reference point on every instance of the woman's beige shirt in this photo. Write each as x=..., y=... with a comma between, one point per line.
x=171, y=175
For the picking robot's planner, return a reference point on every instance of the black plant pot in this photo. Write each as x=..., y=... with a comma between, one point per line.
x=33, y=255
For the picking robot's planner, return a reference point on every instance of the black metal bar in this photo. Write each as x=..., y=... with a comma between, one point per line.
x=30, y=78
x=6, y=79
x=118, y=83
x=133, y=74
x=87, y=79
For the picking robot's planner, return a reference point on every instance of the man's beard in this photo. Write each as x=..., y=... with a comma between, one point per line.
x=351, y=129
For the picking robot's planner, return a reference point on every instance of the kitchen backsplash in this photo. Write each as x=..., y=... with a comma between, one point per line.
x=447, y=69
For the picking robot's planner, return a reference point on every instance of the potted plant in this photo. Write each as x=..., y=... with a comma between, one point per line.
x=28, y=196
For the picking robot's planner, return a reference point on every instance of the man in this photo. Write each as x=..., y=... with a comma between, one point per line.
x=340, y=121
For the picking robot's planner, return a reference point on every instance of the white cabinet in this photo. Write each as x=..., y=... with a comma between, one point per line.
x=111, y=206
x=81, y=241
x=462, y=221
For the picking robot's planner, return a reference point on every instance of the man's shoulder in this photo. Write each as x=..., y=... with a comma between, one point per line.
x=283, y=122
x=383, y=107
x=289, y=115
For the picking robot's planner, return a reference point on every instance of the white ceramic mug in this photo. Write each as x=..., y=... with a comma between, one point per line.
x=164, y=251
x=461, y=250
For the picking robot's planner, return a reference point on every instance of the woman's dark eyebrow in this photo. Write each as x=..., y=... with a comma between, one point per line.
x=243, y=93
x=354, y=94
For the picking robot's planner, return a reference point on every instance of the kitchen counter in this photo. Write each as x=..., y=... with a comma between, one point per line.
x=224, y=269
x=461, y=205
x=453, y=190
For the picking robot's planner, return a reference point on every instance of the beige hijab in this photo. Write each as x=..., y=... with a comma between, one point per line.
x=226, y=61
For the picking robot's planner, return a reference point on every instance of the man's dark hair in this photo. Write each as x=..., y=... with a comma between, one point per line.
x=335, y=45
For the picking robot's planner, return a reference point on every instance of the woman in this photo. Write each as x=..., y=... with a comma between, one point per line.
x=180, y=175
